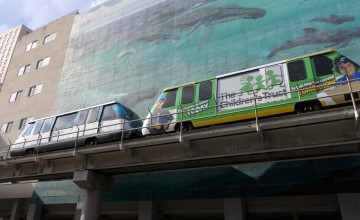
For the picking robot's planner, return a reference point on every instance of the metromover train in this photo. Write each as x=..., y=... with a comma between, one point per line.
x=297, y=85
x=85, y=127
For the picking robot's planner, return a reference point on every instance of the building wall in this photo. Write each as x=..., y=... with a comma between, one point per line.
x=36, y=105
x=7, y=44
x=130, y=50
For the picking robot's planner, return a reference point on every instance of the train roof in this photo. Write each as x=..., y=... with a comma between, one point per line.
x=278, y=62
x=253, y=68
x=69, y=112
x=186, y=84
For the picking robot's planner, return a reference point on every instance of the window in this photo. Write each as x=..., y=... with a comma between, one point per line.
x=47, y=125
x=6, y=127
x=38, y=126
x=34, y=90
x=23, y=123
x=24, y=69
x=31, y=46
x=82, y=117
x=66, y=121
x=296, y=70
x=43, y=62
x=49, y=38
x=323, y=65
x=205, y=90
x=187, y=94
x=170, y=99
x=109, y=113
x=93, y=117
x=15, y=96
x=28, y=130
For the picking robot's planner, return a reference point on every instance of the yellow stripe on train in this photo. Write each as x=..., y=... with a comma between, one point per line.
x=243, y=116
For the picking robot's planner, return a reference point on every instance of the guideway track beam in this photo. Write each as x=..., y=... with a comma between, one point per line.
x=327, y=133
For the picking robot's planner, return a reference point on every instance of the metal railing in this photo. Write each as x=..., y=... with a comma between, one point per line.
x=179, y=116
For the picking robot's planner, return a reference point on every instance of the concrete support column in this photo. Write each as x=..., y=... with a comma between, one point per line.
x=147, y=210
x=234, y=209
x=349, y=206
x=16, y=210
x=79, y=208
x=93, y=183
x=34, y=212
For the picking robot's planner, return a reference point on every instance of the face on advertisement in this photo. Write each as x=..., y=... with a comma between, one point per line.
x=159, y=104
x=160, y=101
x=345, y=66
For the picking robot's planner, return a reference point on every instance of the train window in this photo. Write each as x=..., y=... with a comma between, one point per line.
x=170, y=99
x=93, y=117
x=109, y=113
x=47, y=125
x=323, y=65
x=296, y=70
x=187, y=94
x=66, y=121
x=28, y=130
x=205, y=90
x=38, y=126
x=82, y=117
x=273, y=75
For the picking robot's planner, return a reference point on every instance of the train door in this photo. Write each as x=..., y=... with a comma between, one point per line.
x=206, y=104
x=187, y=103
x=80, y=122
x=301, y=80
x=322, y=68
x=92, y=123
x=64, y=127
x=110, y=120
x=46, y=131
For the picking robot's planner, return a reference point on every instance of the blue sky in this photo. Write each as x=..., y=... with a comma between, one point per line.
x=36, y=13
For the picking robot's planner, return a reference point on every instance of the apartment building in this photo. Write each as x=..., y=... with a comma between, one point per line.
x=32, y=76
x=7, y=44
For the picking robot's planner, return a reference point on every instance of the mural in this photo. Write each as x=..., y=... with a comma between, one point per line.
x=129, y=50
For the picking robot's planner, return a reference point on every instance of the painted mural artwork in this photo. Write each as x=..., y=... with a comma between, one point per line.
x=128, y=50
x=339, y=37
x=334, y=19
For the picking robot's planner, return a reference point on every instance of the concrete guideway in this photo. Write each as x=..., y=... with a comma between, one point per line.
x=326, y=133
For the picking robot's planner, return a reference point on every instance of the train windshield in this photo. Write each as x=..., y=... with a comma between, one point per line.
x=168, y=99
x=28, y=129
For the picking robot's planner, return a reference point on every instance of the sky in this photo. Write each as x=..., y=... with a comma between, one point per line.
x=36, y=13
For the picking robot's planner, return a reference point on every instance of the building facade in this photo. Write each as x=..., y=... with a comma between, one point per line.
x=7, y=44
x=131, y=50
x=32, y=77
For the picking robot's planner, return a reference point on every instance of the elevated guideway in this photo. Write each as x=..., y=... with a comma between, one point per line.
x=328, y=133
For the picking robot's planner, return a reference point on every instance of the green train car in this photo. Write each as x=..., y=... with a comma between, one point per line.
x=298, y=85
